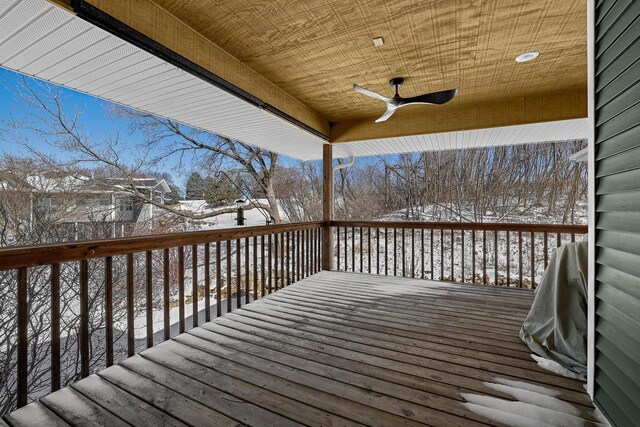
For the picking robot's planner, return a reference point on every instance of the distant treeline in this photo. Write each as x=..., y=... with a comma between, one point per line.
x=484, y=184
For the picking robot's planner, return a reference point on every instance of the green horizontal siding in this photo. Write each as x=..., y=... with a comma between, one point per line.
x=617, y=130
x=616, y=21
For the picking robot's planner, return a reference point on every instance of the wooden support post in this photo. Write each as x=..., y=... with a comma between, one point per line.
x=327, y=206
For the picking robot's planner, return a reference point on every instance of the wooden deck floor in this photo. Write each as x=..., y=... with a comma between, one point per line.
x=336, y=349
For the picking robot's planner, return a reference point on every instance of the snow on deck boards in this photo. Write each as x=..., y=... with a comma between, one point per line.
x=337, y=349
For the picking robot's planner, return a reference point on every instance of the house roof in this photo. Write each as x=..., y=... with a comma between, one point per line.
x=280, y=76
x=140, y=183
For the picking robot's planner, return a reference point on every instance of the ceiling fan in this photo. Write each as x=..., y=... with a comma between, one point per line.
x=435, y=98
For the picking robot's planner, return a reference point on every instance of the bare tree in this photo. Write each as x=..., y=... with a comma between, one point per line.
x=62, y=132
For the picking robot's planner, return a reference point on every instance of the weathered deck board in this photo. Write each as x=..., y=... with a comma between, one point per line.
x=34, y=414
x=336, y=349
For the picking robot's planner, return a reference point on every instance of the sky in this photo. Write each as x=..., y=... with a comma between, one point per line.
x=94, y=118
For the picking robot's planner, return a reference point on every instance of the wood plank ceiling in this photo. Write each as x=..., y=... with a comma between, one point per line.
x=302, y=57
x=316, y=49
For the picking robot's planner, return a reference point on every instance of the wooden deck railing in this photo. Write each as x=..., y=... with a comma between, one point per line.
x=486, y=253
x=128, y=280
x=235, y=265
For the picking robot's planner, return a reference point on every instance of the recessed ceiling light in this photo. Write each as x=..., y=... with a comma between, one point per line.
x=528, y=56
x=377, y=41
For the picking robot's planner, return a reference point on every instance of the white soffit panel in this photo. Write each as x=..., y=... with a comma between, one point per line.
x=508, y=135
x=43, y=41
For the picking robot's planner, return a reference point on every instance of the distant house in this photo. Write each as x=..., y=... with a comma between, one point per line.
x=78, y=202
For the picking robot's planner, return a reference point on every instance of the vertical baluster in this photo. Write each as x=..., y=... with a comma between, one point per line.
x=294, y=249
x=229, y=292
x=431, y=254
x=573, y=237
x=23, y=339
x=533, y=260
x=299, y=255
x=545, y=248
x=369, y=250
x=520, y=256
x=413, y=247
x=181, y=287
x=305, y=253
x=320, y=254
x=395, y=251
x=338, y=248
x=508, y=260
x=218, y=279
x=473, y=256
x=282, y=273
x=346, y=263
x=484, y=257
x=404, y=252
x=149, y=296
x=313, y=250
x=361, y=250
x=377, y=250
x=318, y=249
x=130, y=325
x=275, y=237
x=386, y=251
x=353, y=249
x=108, y=309
x=84, y=317
x=558, y=240
x=238, y=273
x=462, y=251
x=288, y=282
x=269, y=272
x=422, y=253
x=309, y=252
x=314, y=233
x=441, y=254
x=255, y=267
x=166, y=267
x=207, y=282
x=246, y=270
x=194, y=285
x=453, y=279
x=495, y=257
x=303, y=248
x=55, y=327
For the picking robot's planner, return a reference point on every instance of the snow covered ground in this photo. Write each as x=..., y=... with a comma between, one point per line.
x=439, y=261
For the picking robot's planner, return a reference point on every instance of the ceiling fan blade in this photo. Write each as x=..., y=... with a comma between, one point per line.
x=370, y=93
x=436, y=98
x=390, y=110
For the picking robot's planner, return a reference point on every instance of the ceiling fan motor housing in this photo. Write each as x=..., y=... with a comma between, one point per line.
x=396, y=81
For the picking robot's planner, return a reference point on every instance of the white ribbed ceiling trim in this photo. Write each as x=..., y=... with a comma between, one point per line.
x=43, y=41
x=508, y=135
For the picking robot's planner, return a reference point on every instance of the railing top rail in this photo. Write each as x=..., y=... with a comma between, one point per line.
x=550, y=228
x=32, y=256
